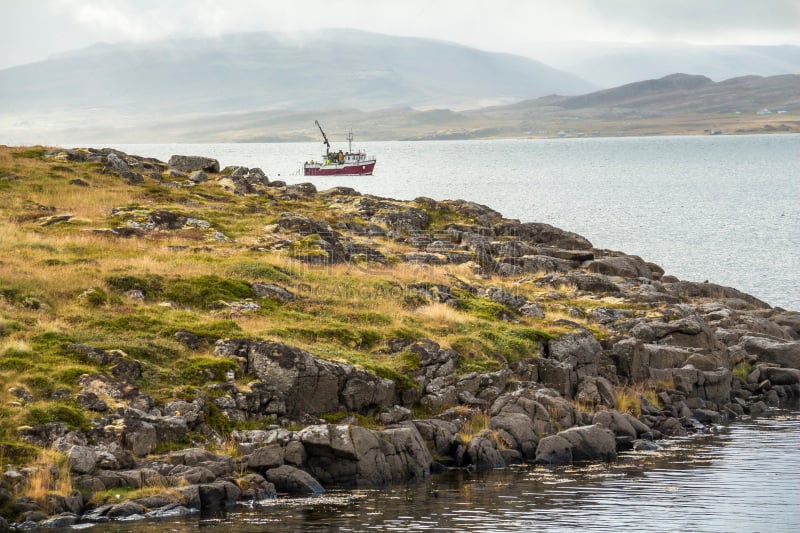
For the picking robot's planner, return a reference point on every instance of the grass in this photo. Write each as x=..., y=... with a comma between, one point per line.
x=50, y=475
x=742, y=370
x=72, y=282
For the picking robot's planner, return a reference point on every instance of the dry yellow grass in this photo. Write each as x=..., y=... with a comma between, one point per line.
x=50, y=476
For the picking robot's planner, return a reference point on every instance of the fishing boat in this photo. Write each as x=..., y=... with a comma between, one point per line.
x=340, y=163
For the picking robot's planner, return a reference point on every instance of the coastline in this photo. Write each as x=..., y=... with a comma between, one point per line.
x=593, y=351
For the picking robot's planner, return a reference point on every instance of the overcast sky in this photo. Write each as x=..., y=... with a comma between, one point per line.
x=31, y=30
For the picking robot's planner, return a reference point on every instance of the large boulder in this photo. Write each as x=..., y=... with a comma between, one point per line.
x=554, y=450
x=783, y=353
x=482, y=452
x=591, y=443
x=518, y=428
x=353, y=456
x=292, y=480
x=779, y=376
x=616, y=422
x=626, y=266
x=190, y=163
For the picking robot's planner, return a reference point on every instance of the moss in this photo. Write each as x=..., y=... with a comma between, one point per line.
x=17, y=364
x=479, y=307
x=73, y=417
x=51, y=342
x=205, y=292
x=16, y=453
x=69, y=376
x=202, y=369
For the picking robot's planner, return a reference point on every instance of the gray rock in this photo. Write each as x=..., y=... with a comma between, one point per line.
x=576, y=349
x=297, y=383
x=616, y=422
x=271, y=290
x=198, y=176
x=539, y=233
x=440, y=436
x=591, y=443
x=140, y=437
x=595, y=391
x=780, y=376
x=292, y=480
x=218, y=495
x=125, y=510
x=626, y=266
x=63, y=520
x=520, y=428
x=81, y=459
x=783, y=353
x=186, y=163
x=554, y=450
x=269, y=456
x=355, y=456
x=482, y=453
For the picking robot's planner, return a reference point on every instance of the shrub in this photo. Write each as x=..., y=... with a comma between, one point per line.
x=151, y=286
x=93, y=297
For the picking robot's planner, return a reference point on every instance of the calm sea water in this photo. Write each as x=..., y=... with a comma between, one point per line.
x=720, y=208
x=742, y=478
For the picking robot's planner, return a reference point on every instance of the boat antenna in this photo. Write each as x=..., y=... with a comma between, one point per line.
x=350, y=141
x=323, y=136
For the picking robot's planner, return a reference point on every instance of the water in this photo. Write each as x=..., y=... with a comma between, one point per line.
x=720, y=208
x=743, y=478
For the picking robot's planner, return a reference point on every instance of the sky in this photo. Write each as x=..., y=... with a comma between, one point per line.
x=32, y=30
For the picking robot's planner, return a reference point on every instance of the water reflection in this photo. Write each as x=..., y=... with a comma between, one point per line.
x=743, y=478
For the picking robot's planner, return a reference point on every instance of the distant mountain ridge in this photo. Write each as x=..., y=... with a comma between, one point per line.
x=325, y=69
x=614, y=64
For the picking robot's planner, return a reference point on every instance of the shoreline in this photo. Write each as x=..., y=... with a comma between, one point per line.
x=513, y=342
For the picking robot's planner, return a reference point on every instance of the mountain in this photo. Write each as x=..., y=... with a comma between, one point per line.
x=675, y=104
x=613, y=64
x=324, y=69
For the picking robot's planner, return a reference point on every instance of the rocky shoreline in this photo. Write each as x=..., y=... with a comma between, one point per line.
x=690, y=354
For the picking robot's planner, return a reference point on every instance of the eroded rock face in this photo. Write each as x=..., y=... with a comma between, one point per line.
x=295, y=382
x=354, y=456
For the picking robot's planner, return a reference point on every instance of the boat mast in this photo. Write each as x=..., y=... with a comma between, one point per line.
x=327, y=144
x=350, y=141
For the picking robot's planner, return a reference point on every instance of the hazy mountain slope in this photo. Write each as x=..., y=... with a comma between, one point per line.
x=686, y=93
x=613, y=64
x=323, y=70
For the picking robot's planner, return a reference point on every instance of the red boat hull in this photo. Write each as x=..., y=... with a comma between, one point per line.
x=363, y=168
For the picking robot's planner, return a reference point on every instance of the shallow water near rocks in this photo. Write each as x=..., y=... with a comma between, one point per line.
x=741, y=477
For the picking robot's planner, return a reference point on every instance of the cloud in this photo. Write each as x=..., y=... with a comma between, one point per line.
x=471, y=21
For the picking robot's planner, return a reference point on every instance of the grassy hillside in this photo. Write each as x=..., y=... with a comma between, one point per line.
x=87, y=258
